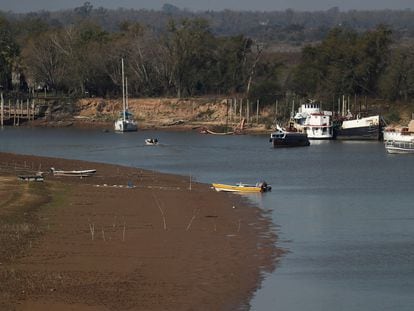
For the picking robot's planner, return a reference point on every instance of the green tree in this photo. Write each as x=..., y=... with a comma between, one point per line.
x=344, y=63
x=9, y=52
x=190, y=45
x=370, y=58
x=85, y=46
x=44, y=60
x=397, y=82
x=232, y=60
x=266, y=86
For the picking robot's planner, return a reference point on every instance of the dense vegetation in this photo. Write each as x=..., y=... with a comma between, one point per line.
x=179, y=53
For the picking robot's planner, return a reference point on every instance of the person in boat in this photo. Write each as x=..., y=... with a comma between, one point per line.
x=152, y=140
x=264, y=186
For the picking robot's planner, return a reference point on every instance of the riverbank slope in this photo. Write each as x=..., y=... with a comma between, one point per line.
x=126, y=239
x=217, y=114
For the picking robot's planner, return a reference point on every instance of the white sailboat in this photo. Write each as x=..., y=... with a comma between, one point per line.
x=126, y=122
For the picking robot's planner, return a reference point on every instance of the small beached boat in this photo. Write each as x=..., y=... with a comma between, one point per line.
x=240, y=187
x=151, y=141
x=207, y=131
x=31, y=178
x=76, y=173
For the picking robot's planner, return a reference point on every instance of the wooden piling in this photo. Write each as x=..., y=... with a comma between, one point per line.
x=2, y=109
x=14, y=114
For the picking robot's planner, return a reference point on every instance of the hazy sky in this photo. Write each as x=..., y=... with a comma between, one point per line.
x=259, y=5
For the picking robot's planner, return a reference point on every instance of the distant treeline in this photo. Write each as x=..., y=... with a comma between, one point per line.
x=281, y=26
x=174, y=52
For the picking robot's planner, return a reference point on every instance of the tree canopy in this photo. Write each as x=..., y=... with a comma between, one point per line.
x=189, y=58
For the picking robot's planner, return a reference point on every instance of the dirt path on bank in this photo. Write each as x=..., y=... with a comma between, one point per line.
x=100, y=245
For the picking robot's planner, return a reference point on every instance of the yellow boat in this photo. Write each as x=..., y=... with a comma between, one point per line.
x=259, y=187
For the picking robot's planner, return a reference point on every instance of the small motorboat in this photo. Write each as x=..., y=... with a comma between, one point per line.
x=151, y=141
x=240, y=187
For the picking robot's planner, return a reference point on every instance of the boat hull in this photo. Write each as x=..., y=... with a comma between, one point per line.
x=394, y=150
x=240, y=188
x=125, y=126
x=358, y=133
x=81, y=173
x=399, y=147
x=319, y=133
x=290, y=140
x=151, y=142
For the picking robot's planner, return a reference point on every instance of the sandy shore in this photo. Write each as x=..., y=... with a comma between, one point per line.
x=143, y=126
x=96, y=244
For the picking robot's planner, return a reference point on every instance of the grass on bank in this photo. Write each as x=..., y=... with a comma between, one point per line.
x=20, y=213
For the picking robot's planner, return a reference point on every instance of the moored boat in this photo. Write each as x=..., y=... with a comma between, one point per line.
x=400, y=147
x=125, y=122
x=75, y=173
x=151, y=141
x=367, y=128
x=313, y=121
x=288, y=138
x=240, y=187
x=405, y=133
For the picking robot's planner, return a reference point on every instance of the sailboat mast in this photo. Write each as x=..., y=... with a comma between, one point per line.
x=123, y=89
x=126, y=93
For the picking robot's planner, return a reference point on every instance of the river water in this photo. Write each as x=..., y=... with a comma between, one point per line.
x=343, y=210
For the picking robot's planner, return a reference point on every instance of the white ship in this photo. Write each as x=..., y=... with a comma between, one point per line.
x=405, y=134
x=367, y=128
x=317, y=124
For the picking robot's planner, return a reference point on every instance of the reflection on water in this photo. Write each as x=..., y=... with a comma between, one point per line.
x=343, y=209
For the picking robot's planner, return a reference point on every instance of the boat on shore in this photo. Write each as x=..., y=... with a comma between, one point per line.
x=367, y=128
x=240, y=187
x=313, y=121
x=207, y=131
x=400, y=147
x=75, y=173
x=37, y=178
x=288, y=138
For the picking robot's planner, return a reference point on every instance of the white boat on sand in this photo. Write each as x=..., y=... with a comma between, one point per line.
x=75, y=173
